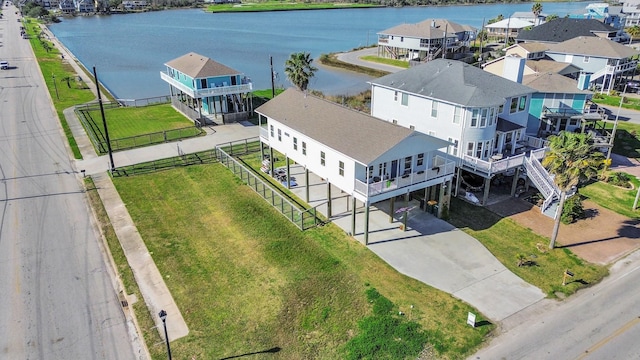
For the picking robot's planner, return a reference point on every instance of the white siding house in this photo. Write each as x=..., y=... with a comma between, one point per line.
x=369, y=159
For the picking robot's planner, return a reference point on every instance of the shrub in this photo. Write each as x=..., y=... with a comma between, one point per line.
x=619, y=179
x=572, y=210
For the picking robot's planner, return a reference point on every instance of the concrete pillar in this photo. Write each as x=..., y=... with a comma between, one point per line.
x=392, y=202
x=441, y=200
x=426, y=198
x=487, y=185
x=366, y=223
x=328, y=199
x=271, y=162
x=458, y=181
x=261, y=152
x=306, y=180
x=514, y=183
x=353, y=216
x=288, y=172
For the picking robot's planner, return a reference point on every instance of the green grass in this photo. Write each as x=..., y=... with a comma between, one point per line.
x=614, y=100
x=247, y=280
x=133, y=121
x=627, y=140
x=613, y=198
x=505, y=240
x=283, y=6
x=52, y=67
x=332, y=60
x=380, y=60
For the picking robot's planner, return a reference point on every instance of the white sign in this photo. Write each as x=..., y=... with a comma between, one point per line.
x=471, y=319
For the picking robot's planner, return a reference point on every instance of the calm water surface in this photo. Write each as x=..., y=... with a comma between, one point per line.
x=129, y=50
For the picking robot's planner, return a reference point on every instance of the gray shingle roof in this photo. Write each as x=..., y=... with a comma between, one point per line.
x=562, y=29
x=547, y=65
x=352, y=133
x=198, y=66
x=553, y=83
x=593, y=46
x=454, y=82
x=426, y=30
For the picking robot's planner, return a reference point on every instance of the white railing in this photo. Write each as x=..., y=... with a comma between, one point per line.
x=264, y=133
x=540, y=177
x=222, y=90
x=535, y=142
x=442, y=167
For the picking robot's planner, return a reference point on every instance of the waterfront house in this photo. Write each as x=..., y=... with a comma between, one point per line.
x=368, y=159
x=631, y=11
x=606, y=60
x=608, y=14
x=530, y=17
x=66, y=6
x=563, y=29
x=133, y=5
x=506, y=29
x=536, y=61
x=207, y=91
x=84, y=6
x=484, y=115
x=425, y=40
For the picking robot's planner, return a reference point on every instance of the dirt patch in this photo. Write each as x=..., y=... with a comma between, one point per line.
x=602, y=238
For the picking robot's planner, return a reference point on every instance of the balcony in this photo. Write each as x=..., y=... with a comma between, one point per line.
x=200, y=93
x=442, y=167
x=264, y=133
x=530, y=145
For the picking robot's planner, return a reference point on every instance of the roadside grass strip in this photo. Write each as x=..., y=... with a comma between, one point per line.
x=247, y=280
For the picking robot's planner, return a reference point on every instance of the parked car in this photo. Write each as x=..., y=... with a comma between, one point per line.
x=4, y=65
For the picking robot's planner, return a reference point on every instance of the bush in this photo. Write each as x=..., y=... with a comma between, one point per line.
x=572, y=210
x=619, y=179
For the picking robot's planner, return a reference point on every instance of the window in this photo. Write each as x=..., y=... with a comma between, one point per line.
x=432, y=133
x=514, y=105
x=271, y=129
x=370, y=171
x=483, y=118
x=395, y=96
x=304, y=148
x=492, y=116
x=407, y=164
x=479, y=150
x=453, y=149
x=382, y=169
x=470, y=148
x=322, y=158
x=573, y=122
x=412, y=127
x=434, y=109
x=456, y=115
x=523, y=103
x=394, y=121
x=487, y=147
x=501, y=109
x=279, y=135
x=341, y=168
x=474, y=117
x=420, y=160
x=405, y=99
x=295, y=143
x=586, y=59
x=203, y=83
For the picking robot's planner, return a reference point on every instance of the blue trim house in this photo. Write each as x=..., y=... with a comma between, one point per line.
x=206, y=90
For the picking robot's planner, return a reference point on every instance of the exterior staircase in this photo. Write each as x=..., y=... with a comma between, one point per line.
x=543, y=181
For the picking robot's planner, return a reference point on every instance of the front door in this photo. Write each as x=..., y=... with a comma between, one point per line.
x=233, y=80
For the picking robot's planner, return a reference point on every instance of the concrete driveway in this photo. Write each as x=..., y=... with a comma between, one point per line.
x=431, y=251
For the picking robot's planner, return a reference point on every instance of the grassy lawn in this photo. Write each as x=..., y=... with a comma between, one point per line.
x=247, y=280
x=132, y=121
x=613, y=198
x=282, y=6
x=614, y=100
x=506, y=239
x=64, y=94
x=377, y=59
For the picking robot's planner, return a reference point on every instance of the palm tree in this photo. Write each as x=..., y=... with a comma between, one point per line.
x=571, y=159
x=634, y=32
x=299, y=70
x=536, y=9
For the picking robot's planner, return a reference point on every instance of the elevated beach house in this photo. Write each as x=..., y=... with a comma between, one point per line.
x=207, y=91
x=425, y=40
x=368, y=159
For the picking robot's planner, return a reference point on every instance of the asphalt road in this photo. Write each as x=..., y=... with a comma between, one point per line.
x=601, y=322
x=57, y=293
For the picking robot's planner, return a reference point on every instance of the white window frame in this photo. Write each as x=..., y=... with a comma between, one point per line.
x=405, y=99
x=434, y=109
x=323, y=158
x=341, y=168
x=456, y=114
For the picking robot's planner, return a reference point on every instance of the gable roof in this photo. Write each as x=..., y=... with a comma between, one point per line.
x=593, y=46
x=198, y=66
x=454, y=82
x=360, y=136
x=562, y=29
x=533, y=47
x=553, y=83
x=510, y=23
x=547, y=65
x=426, y=29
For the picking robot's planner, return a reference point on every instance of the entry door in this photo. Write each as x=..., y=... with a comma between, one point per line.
x=394, y=168
x=563, y=124
x=233, y=80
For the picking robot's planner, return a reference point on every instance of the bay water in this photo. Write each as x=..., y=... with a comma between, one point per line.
x=129, y=50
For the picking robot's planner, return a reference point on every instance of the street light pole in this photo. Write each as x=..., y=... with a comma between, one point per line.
x=615, y=124
x=635, y=202
x=163, y=317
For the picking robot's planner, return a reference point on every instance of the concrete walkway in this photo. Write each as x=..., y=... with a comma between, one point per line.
x=431, y=251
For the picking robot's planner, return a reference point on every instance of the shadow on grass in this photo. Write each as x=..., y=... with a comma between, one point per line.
x=483, y=323
x=627, y=144
x=464, y=214
x=273, y=350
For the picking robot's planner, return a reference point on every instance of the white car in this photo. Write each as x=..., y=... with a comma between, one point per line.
x=4, y=65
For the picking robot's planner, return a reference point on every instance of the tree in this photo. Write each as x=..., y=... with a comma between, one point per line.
x=572, y=159
x=551, y=17
x=536, y=9
x=634, y=32
x=299, y=70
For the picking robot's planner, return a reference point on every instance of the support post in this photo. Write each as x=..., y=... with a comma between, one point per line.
x=514, y=183
x=271, y=162
x=353, y=216
x=306, y=179
x=288, y=173
x=328, y=199
x=391, y=208
x=441, y=200
x=487, y=185
x=366, y=223
x=458, y=181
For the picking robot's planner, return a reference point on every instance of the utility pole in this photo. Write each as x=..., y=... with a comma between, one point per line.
x=273, y=87
x=104, y=120
x=481, y=33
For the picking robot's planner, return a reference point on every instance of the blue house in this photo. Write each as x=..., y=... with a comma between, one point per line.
x=207, y=91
